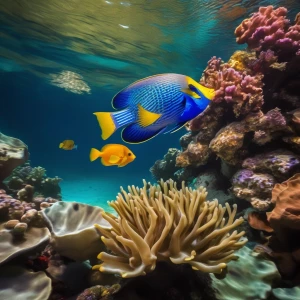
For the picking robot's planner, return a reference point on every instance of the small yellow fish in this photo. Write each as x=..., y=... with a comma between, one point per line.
x=113, y=155
x=68, y=145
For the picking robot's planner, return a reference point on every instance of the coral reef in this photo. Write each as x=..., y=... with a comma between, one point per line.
x=164, y=223
x=283, y=223
x=240, y=90
x=99, y=292
x=269, y=29
x=22, y=227
x=250, y=133
x=279, y=163
x=13, y=153
x=166, y=167
x=253, y=187
x=213, y=182
x=37, y=178
x=230, y=143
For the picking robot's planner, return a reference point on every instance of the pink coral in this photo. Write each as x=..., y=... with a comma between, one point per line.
x=241, y=90
x=269, y=29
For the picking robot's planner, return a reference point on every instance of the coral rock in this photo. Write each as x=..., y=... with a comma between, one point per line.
x=279, y=163
x=253, y=187
x=196, y=154
x=98, y=292
x=13, y=153
x=228, y=142
x=294, y=141
x=207, y=123
x=285, y=217
x=166, y=167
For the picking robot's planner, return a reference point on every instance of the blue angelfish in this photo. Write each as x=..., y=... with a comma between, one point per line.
x=158, y=104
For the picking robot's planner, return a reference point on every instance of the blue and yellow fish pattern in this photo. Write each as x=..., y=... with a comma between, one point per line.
x=158, y=104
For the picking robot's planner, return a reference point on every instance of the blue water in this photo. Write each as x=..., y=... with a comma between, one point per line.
x=110, y=44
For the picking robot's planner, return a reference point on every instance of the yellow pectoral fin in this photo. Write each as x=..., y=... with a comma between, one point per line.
x=113, y=159
x=61, y=145
x=123, y=160
x=124, y=163
x=145, y=117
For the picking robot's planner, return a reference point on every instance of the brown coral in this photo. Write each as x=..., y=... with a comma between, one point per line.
x=196, y=154
x=163, y=223
x=285, y=217
x=228, y=142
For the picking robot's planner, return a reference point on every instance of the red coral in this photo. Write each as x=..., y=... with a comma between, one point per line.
x=269, y=29
x=243, y=91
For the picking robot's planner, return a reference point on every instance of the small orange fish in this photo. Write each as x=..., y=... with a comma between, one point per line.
x=113, y=155
x=68, y=145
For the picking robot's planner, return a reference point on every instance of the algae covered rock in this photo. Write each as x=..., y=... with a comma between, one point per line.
x=279, y=163
x=253, y=187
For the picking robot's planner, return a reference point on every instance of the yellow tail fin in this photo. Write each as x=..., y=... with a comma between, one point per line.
x=106, y=124
x=94, y=154
x=61, y=145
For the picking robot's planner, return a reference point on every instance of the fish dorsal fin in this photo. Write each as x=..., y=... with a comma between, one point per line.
x=106, y=146
x=145, y=117
x=123, y=98
x=114, y=159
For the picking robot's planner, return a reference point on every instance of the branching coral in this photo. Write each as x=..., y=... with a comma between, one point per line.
x=238, y=88
x=269, y=29
x=162, y=223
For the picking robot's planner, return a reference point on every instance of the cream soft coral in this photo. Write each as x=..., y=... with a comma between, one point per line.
x=160, y=223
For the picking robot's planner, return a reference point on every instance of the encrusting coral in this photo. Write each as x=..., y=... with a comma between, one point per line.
x=162, y=223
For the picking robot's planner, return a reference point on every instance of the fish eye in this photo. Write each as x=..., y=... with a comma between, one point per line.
x=129, y=154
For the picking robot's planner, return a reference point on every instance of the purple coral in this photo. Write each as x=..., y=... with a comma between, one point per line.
x=269, y=29
x=253, y=187
x=280, y=163
x=238, y=88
